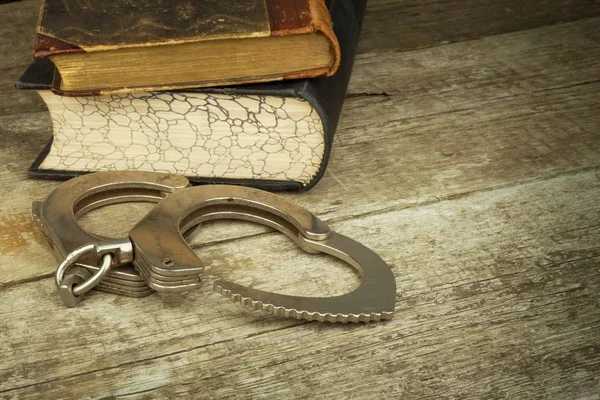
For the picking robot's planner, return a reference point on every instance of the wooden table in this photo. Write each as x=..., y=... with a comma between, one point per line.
x=468, y=157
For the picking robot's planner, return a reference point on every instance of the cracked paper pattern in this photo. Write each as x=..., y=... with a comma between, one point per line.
x=193, y=134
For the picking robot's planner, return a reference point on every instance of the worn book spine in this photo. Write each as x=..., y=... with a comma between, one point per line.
x=325, y=94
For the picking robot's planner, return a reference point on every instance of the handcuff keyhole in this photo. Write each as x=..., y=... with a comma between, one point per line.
x=167, y=262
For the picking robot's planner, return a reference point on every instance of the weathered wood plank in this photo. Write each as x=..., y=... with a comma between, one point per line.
x=389, y=25
x=407, y=87
x=17, y=27
x=451, y=154
x=426, y=83
x=504, y=305
x=441, y=145
x=498, y=280
x=23, y=137
x=411, y=24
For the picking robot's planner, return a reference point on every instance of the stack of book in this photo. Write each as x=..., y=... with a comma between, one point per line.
x=231, y=91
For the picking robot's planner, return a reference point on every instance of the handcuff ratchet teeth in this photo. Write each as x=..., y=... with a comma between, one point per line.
x=156, y=253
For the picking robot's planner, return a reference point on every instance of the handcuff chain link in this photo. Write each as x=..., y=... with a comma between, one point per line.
x=108, y=254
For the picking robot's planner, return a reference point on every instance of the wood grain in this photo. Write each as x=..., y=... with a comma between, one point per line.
x=389, y=25
x=392, y=25
x=17, y=27
x=471, y=167
x=502, y=305
x=468, y=132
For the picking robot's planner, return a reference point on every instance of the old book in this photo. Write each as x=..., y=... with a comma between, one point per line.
x=274, y=135
x=118, y=46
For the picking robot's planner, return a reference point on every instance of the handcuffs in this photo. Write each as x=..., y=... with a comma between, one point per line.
x=155, y=257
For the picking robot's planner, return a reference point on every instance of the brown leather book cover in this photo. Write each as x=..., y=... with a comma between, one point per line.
x=79, y=26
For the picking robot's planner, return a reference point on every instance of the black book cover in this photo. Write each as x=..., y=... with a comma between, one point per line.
x=326, y=95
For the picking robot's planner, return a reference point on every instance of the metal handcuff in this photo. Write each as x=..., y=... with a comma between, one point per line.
x=156, y=257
